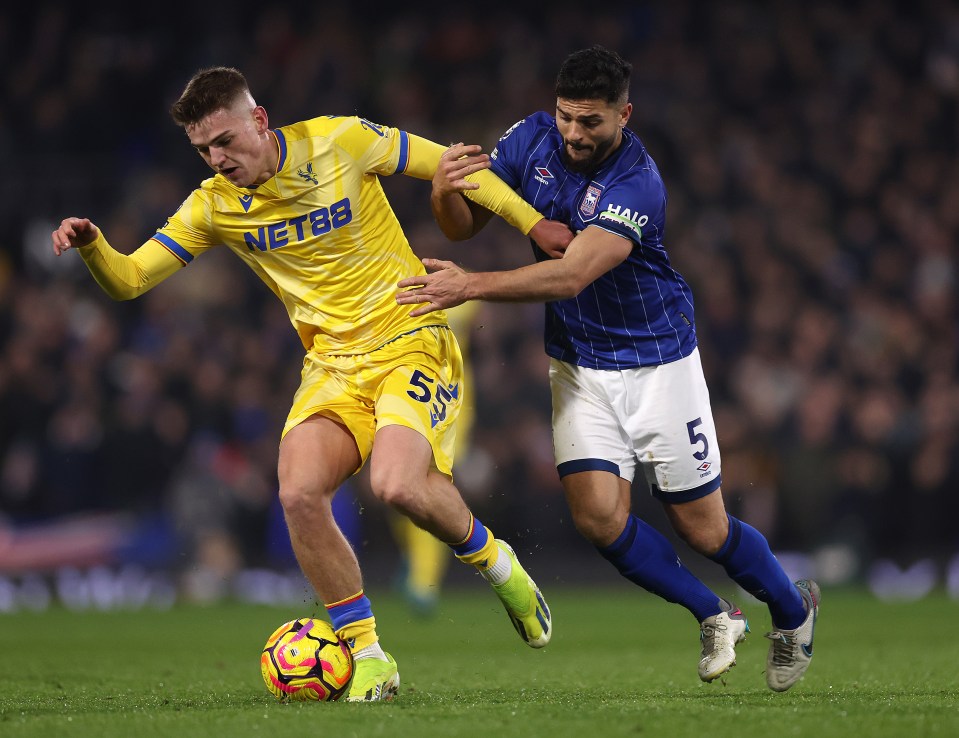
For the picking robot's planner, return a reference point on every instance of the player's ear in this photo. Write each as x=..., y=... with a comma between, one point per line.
x=261, y=119
x=624, y=114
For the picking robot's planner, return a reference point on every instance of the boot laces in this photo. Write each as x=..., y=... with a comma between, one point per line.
x=784, y=647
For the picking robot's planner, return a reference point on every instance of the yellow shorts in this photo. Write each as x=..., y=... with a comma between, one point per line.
x=415, y=380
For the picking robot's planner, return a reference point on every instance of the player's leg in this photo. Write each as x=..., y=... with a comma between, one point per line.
x=596, y=462
x=745, y=555
x=316, y=457
x=602, y=423
x=425, y=559
x=402, y=474
x=687, y=479
x=411, y=466
x=317, y=454
x=599, y=503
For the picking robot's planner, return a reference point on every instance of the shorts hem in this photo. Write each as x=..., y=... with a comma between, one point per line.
x=581, y=465
x=687, y=495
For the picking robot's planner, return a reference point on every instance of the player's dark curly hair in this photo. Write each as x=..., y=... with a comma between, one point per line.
x=595, y=73
x=212, y=89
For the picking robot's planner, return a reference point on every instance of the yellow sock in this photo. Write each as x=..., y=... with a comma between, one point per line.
x=485, y=557
x=360, y=634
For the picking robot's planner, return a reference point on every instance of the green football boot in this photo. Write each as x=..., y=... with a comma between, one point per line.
x=374, y=680
x=524, y=602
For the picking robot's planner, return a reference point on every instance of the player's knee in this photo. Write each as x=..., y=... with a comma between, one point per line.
x=392, y=489
x=597, y=528
x=703, y=539
x=702, y=524
x=300, y=501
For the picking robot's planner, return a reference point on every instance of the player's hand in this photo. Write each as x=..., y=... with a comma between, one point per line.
x=72, y=233
x=552, y=237
x=457, y=162
x=446, y=287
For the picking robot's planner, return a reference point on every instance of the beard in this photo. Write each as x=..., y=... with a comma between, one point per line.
x=589, y=163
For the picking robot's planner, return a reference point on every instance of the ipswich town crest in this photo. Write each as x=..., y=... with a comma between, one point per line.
x=587, y=206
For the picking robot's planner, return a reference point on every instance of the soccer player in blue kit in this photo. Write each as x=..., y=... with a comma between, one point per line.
x=627, y=383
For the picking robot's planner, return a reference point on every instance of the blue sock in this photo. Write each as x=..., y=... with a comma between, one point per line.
x=747, y=559
x=350, y=610
x=644, y=556
x=476, y=538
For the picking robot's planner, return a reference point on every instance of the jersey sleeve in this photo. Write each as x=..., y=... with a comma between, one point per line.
x=123, y=276
x=189, y=232
x=422, y=159
x=376, y=148
x=186, y=234
x=634, y=208
x=507, y=156
x=383, y=150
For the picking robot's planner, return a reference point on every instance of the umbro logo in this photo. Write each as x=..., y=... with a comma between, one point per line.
x=246, y=201
x=543, y=175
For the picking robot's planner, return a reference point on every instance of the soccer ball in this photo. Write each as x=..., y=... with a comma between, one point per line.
x=305, y=660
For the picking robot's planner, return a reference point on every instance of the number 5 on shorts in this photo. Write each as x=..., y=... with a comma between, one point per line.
x=695, y=438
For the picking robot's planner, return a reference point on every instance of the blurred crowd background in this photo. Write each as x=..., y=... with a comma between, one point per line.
x=809, y=152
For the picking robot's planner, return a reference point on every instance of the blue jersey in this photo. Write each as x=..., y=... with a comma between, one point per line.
x=637, y=314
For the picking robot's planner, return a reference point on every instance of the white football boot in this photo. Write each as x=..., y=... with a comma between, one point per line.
x=719, y=635
x=791, y=650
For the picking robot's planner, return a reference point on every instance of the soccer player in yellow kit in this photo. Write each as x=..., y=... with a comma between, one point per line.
x=303, y=207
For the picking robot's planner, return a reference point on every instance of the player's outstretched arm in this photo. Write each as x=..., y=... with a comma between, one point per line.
x=590, y=255
x=121, y=276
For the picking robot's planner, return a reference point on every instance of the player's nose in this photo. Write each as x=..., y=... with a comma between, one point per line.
x=217, y=157
x=574, y=133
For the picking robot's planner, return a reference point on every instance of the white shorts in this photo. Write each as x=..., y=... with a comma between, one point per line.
x=658, y=416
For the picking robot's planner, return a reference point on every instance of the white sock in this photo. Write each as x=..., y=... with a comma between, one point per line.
x=499, y=572
x=373, y=651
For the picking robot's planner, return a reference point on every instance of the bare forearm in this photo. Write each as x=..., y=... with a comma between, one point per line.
x=589, y=256
x=544, y=281
x=453, y=215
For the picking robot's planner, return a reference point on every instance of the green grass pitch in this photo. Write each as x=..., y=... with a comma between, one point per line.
x=621, y=664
